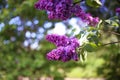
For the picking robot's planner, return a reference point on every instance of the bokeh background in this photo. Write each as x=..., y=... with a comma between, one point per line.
x=23, y=46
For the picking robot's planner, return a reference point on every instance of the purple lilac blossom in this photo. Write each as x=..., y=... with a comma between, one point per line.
x=62, y=40
x=85, y=16
x=57, y=39
x=66, y=48
x=63, y=54
x=63, y=9
x=57, y=9
x=55, y=54
x=45, y=5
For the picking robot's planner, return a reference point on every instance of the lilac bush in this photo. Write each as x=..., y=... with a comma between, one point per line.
x=68, y=48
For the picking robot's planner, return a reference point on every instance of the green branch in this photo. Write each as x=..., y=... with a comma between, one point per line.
x=114, y=33
x=78, y=2
x=111, y=43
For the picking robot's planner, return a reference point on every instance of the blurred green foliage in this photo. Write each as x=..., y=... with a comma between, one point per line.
x=94, y=3
x=18, y=60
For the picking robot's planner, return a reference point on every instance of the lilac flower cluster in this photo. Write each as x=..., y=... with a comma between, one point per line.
x=57, y=9
x=118, y=10
x=63, y=9
x=66, y=48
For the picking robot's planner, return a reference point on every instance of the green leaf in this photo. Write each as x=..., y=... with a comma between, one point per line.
x=94, y=39
x=94, y=3
x=90, y=47
x=112, y=22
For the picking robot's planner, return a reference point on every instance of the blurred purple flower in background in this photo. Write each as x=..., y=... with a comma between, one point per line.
x=118, y=10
